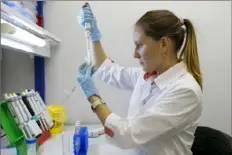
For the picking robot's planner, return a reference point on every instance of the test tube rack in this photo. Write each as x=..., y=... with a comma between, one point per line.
x=13, y=132
x=16, y=135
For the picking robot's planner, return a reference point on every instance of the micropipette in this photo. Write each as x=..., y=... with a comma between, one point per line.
x=87, y=34
x=21, y=117
x=46, y=115
x=31, y=125
x=35, y=109
x=43, y=111
x=40, y=111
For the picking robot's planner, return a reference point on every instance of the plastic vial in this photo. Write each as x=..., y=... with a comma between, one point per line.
x=76, y=136
x=31, y=146
x=77, y=126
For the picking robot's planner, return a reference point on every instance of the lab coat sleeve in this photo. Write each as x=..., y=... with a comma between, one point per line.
x=168, y=116
x=117, y=76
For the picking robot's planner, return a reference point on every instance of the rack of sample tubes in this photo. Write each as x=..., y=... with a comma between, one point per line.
x=29, y=114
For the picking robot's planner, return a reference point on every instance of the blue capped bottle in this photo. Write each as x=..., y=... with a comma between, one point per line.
x=80, y=139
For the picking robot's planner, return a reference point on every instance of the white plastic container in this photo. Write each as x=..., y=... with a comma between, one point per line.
x=30, y=4
x=29, y=9
x=29, y=14
x=14, y=4
x=31, y=146
x=67, y=142
x=4, y=140
x=8, y=151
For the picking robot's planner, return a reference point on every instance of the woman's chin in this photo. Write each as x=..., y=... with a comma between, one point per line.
x=145, y=69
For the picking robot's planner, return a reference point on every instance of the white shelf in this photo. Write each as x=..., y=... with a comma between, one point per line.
x=17, y=46
x=22, y=24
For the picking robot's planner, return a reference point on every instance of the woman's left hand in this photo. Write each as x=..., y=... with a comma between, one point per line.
x=84, y=78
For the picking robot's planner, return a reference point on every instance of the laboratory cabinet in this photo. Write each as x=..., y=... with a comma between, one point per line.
x=22, y=40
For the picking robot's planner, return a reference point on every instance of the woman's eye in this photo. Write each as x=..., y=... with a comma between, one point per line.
x=138, y=45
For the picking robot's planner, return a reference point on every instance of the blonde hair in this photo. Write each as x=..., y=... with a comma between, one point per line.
x=190, y=52
x=159, y=23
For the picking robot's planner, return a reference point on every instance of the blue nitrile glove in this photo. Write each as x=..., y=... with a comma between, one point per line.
x=86, y=15
x=84, y=78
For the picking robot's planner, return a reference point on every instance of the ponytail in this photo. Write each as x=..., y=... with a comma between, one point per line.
x=159, y=23
x=190, y=52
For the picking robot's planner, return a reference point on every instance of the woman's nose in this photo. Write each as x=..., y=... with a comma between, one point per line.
x=136, y=55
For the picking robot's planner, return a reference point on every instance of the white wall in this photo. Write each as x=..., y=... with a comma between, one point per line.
x=115, y=20
x=17, y=72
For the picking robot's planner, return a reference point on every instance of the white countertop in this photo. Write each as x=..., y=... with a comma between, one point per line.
x=97, y=146
x=54, y=145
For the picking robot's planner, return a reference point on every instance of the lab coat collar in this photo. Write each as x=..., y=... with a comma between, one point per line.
x=172, y=73
x=148, y=75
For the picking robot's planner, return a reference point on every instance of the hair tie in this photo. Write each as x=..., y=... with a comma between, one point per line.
x=181, y=20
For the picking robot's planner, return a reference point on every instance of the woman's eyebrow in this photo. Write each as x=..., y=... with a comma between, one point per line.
x=137, y=42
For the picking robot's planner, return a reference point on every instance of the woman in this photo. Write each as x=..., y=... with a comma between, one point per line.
x=166, y=102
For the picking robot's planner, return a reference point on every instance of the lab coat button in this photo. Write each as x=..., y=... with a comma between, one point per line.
x=153, y=83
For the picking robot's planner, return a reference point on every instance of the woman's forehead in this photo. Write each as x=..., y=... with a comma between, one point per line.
x=138, y=33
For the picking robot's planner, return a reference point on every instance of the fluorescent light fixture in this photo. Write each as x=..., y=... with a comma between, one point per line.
x=16, y=45
x=25, y=36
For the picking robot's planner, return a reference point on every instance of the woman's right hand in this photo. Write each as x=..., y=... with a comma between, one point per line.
x=86, y=16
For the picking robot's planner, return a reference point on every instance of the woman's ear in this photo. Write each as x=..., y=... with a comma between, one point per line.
x=164, y=41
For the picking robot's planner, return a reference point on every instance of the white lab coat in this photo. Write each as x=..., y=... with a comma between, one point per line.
x=163, y=113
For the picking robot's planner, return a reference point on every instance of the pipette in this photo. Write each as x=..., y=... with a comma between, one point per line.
x=30, y=124
x=88, y=59
x=45, y=115
x=36, y=110
x=27, y=126
x=69, y=94
x=16, y=110
x=39, y=110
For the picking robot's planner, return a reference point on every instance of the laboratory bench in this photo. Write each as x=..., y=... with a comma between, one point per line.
x=97, y=146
